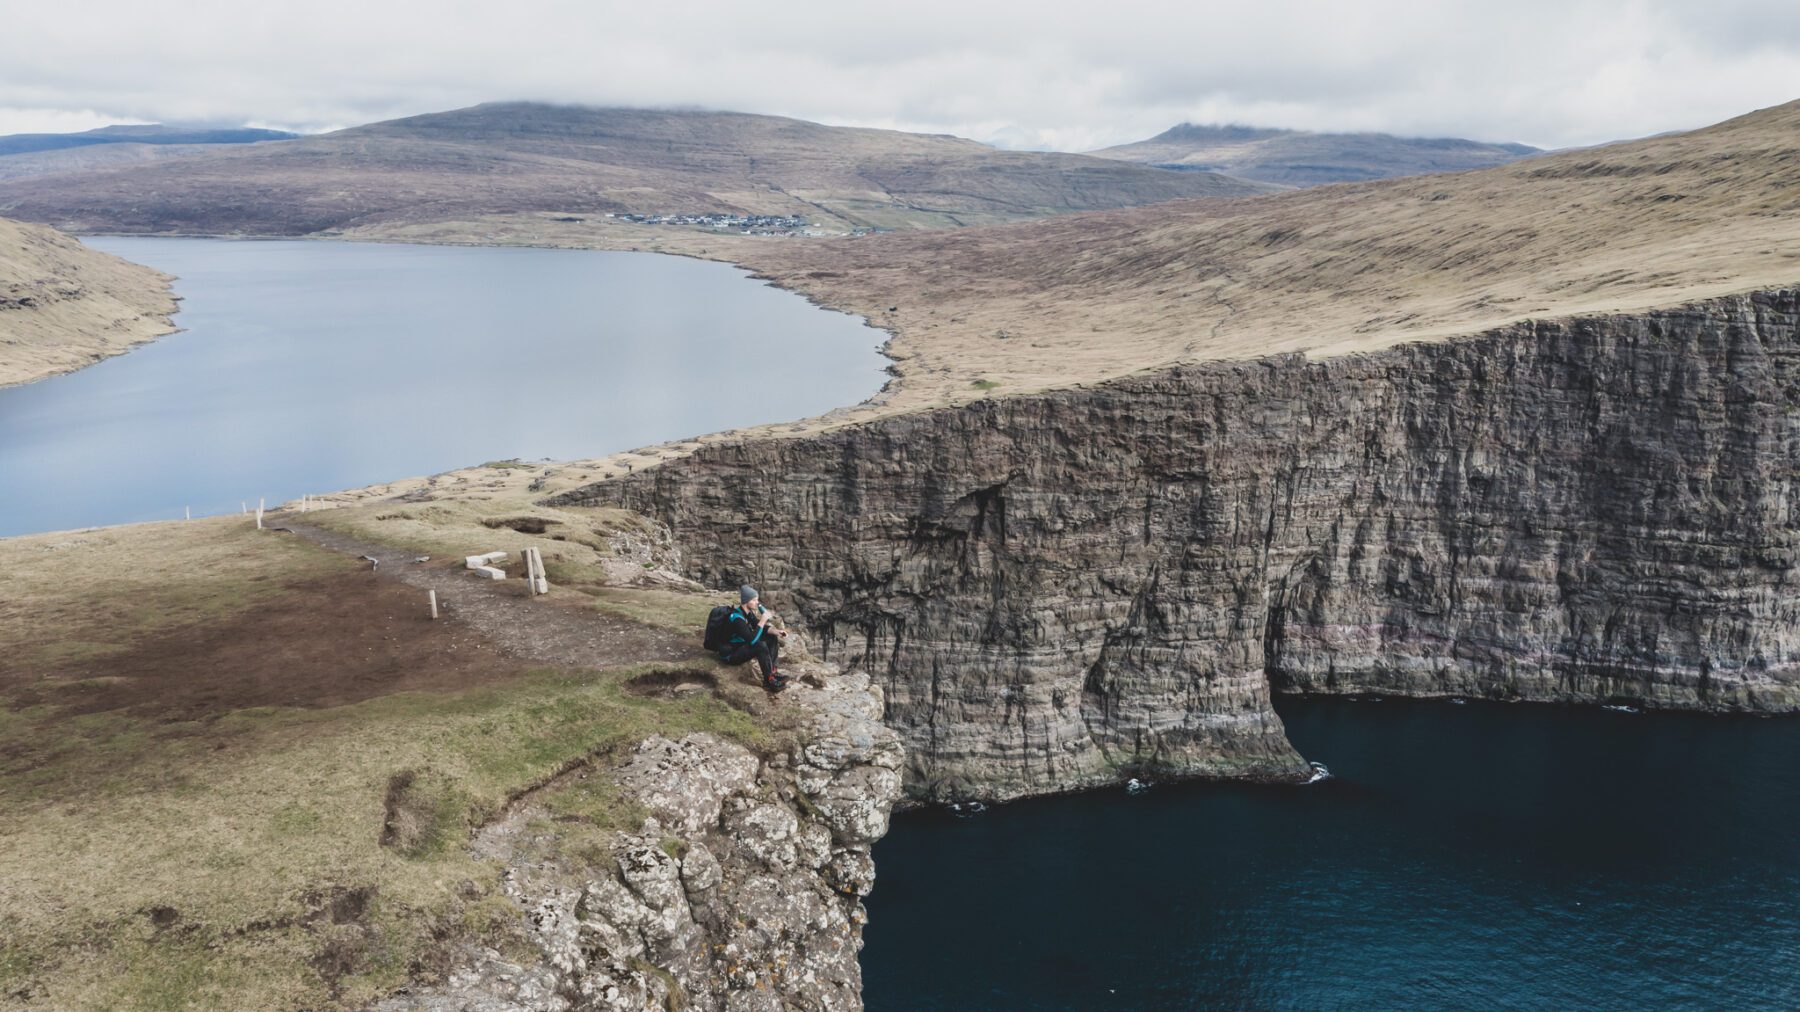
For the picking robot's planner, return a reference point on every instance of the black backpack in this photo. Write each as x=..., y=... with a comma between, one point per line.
x=718, y=628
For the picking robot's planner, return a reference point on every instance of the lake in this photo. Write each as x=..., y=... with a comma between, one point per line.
x=1474, y=856
x=308, y=366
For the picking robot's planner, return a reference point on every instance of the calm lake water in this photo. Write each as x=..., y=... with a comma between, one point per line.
x=315, y=366
x=1477, y=856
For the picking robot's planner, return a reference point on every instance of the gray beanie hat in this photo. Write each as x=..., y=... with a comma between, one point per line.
x=746, y=594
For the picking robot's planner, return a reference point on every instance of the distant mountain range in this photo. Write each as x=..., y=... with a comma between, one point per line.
x=1299, y=158
x=511, y=158
x=136, y=133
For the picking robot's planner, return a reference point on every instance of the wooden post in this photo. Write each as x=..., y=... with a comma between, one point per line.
x=535, y=582
x=540, y=583
x=259, y=513
x=433, y=597
x=243, y=507
x=188, y=512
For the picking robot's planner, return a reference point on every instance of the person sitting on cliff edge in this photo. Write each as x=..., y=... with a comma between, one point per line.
x=753, y=637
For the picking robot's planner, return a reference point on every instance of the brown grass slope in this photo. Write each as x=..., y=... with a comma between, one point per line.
x=93, y=156
x=524, y=157
x=1303, y=158
x=63, y=305
x=1325, y=271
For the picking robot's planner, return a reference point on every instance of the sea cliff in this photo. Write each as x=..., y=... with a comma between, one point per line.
x=1062, y=589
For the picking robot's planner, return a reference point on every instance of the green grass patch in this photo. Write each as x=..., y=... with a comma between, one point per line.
x=677, y=611
x=240, y=842
x=983, y=384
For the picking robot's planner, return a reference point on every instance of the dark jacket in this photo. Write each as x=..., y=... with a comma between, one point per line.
x=744, y=628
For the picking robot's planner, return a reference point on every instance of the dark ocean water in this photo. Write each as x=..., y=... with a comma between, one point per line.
x=1474, y=856
x=315, y=366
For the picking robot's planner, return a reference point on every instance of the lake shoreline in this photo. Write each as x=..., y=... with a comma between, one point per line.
x=614, y=348
x=65, y=305
x=868, y=407
x=873, y=401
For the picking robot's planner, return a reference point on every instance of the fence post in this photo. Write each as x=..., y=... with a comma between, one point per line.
x=535, y=582
x=540, y=582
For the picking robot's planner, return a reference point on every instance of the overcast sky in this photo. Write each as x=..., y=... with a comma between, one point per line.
x=1071, y=76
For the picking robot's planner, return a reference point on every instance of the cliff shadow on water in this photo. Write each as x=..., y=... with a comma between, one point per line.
x=1494, y=856
x=1063, y=589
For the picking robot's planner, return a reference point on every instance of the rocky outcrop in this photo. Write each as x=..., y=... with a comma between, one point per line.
x=741, y=890
x=1060, y=589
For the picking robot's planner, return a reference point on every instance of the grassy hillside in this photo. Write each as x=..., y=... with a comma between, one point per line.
x=1302, y=158
x=39, y=163
x=523, y=157
x=138, y=133
x=63, y=306
x=239, y=770
x=1326, y=271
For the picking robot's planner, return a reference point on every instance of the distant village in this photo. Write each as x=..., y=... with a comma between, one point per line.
x=742, y=224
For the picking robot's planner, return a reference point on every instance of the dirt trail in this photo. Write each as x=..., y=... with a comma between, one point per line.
x=560, y=629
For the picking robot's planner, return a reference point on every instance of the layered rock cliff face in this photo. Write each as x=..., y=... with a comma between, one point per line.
x=741, y=891
x=1059, y=589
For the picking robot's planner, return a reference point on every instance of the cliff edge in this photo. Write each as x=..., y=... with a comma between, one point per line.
x=1062, y=589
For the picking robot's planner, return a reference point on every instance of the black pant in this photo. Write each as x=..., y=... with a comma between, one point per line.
x=763, y=650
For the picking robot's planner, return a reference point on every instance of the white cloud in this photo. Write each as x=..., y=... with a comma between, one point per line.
x=53, y=121
x=1547, y=72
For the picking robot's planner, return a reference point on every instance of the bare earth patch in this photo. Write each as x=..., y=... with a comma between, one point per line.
x=326, y=642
